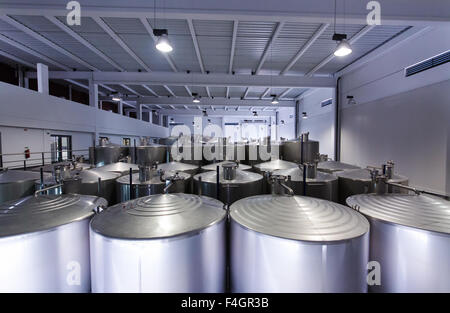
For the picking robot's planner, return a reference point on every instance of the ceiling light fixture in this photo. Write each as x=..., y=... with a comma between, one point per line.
x=343, y=47
x=274, y=99
x=196, y=98
x=163, y=42
x=205, y=113
x=304, y=115
x=116, y=97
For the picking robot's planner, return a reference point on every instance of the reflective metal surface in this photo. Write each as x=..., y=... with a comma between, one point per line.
x=15, y=184
x=323, y=186
x=270, y=167
x=151, y=154
x=245, y=184
x=103, y=155
x=354, y=182
x=410, y=238
x=332, y=167
x=291, y=150
x=120, y=167
x=151, y=186
x=89, y=184
x=297, y=244
x=179, y=167
x=44, y=243
x=160, y=243
x=212, y=167
x=257, y=153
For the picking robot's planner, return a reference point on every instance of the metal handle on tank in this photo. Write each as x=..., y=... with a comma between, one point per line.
x=46, y=189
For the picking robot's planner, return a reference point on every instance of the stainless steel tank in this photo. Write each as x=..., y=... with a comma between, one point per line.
x=149, y=154
x=15, y=184
x=234, y=184
x=354, y=182
x=318, y=185
x=121, y=168
x=50, y=168
x=292, y=149
x=194, y=156
x=179, y=167
x=213, y=166
x=103, y=155
x=297, y=244
x=150, y=181
x=256, y=153
x=333, y=167
x=89, y=184
x=44, y=243
x=267, y=168
x=410, y=239
x=160, y=243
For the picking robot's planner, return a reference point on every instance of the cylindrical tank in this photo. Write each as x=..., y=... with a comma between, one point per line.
x=15, y=184
x=150, y=154
x=232, y=186
x=292, y=150
x=332, y=167
x=179, y=167
x=103, y=155
x=89, y=184
x=151, y=181
x=256, y=153
x=270, y=167
x=44, y=243
x=50, y=168
x=213, y=166
x=320, y=185
x=160, y=243
x=188, y=153
x=410, y=239
x=121, y=168
x=355, y=182
x=297, y=244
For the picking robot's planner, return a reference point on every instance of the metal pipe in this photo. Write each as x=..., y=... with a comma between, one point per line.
x=43, y=159
x=217, y=183
x=42, y=178
x=131, y=183
x=199, y=185
x=24, y=165
x=418, y=191
x=337, y=126
x=304, y=179
x=45, y=189
x=99, y=186
x=166, y=189
x=135, y=152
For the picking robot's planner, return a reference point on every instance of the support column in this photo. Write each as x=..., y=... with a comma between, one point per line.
x=120, y=107
x=42, y=78
x=70, y=92
x=93, y=94
x=26, y=82
x=20, y=75
x=138, y=109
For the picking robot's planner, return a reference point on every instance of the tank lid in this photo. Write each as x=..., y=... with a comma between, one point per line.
x=212, y=167
x=44, y=212
x=13, y=176
x=158, y=216
x=417, y=211
x=242, y=177
x=119, y=167
x=299, y=218
x=155, y=180
x=275, y=165
x=364, y=175
x=297, y=175
x=336, y=166
x=177, y=166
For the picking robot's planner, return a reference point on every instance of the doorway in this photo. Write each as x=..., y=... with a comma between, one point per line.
x=61, y=148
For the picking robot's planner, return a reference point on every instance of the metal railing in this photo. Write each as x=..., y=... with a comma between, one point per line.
x=40, y=158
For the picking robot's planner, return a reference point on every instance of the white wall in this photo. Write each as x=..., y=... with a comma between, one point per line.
x=320, y=122
x=42, y=115
x=286, y=130
x=405, y=119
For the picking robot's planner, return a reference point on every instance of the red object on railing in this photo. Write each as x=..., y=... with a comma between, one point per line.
x=27, y=153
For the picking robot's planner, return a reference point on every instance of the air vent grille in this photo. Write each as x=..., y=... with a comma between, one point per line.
x=427, y=64
x=324, y=103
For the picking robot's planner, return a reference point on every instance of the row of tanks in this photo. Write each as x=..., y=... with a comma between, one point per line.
x=277, y=239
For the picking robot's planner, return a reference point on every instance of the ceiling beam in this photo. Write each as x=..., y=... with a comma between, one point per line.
x=264, y=93
x=216, y=113
x=130, y=89
x=310, y=12
x=246, y=93
x=182, y=101
x=284, y=93
x=195, y=79
x=304, y=48
x=44, y=40
x=233, y=46
x=16, y=59
x=150, y=90
x=268, y=48
x=352, y=40
x=170, y=91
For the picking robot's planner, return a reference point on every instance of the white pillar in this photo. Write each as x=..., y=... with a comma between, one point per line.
x=70, y=92
x=120, y=107
x=139, y=110
x=42, y=78
x=93, y=94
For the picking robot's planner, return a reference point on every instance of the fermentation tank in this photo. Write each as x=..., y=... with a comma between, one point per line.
x=179, y=167
x=410, y=239
x=89, y=184
x=318, y=185
x=354, y=182
x=234, y=184
x=297, y=244
x=292, y=149
x=15, y=184
x=268, y=168
x=44, y=243
x=213, y=166
x=333, y=167
x=150, y=181
x=256, y=153
x=121, y=168
x=160, y=243
x=149, y=154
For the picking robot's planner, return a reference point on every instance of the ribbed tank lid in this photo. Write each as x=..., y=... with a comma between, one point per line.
x=118, y=167
x=212, y=167
x=155, y=180
x=299, y=218
x=13, y=176
x=158, y=216
x=275, y=165
x=336, y=166
x=297, y=175
x=92, y=176
x=33, y=214
x=417, y=211
x=242, y=177
x=364, y=175
x=177, y=166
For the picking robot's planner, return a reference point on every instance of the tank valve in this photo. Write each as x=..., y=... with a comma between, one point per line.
x=278, y=185
x=170, y=181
